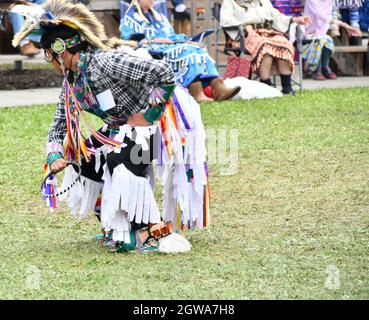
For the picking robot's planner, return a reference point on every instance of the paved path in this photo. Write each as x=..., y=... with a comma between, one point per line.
x=341, y=82
x=16, y=98
x=11, y=58
x=47, y=96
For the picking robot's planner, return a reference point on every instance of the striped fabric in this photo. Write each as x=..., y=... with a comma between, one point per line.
x=288, y=7
x=349, y=4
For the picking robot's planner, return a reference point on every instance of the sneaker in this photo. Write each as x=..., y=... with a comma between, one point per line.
x=104, y=237
x=330, y=75
x=125, y=247
x=319, y=76
x=151, y=245
x=288, y=92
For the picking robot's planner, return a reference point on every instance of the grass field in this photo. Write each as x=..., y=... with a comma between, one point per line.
x=291, y=223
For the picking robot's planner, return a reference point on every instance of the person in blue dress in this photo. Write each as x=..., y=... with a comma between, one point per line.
x=193, y=67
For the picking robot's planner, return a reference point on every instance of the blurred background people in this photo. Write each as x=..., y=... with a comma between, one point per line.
x=289, y=7
x=26, y=46
x=318, y=52
x=193, y=67
x=265, y=29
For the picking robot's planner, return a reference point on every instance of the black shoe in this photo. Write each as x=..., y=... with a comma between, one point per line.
x=288, y=92
x=182, y=15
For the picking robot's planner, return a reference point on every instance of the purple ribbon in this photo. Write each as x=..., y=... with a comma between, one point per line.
x=180, y=110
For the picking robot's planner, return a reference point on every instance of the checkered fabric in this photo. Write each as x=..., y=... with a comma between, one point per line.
x=130, y=79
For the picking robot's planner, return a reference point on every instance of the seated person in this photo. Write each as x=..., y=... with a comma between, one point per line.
x=352, y=11
x=265, y=41
x=26, y=46
x=192, y=65
x=318, y=52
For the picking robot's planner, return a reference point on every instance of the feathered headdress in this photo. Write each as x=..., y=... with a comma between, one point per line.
x=41, y=18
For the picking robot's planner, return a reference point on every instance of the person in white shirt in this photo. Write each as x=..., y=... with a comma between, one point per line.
x=265, y=29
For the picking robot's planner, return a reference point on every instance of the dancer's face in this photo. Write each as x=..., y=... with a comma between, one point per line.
x=64, y=61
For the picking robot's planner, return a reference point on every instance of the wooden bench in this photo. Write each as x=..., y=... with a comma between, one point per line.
x=350, y=55
x=351, y=60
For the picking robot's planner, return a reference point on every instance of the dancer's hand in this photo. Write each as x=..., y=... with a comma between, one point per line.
x=58, y=165
x=137, y=120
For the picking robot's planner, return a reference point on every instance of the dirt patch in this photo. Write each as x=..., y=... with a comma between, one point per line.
x=29, y=79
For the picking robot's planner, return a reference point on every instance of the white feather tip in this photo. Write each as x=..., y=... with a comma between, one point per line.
x=174, y=243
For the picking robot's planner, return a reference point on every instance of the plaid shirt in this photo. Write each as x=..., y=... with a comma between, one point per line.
x=130, y=79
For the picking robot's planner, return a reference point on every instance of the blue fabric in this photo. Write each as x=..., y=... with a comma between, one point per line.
x=350, y=15
x=123, y=8
x=159, y=5
x=364, y=16
x=189, y=62
x=313, y=51
x=17, y=22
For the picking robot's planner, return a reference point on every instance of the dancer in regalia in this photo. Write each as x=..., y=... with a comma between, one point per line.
x=146, y=117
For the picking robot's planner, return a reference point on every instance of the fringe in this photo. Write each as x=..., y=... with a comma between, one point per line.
x=187, y=60
x=348, y=3
x=82, y=197
x=181, y=162
x=276, y=52
x=126, y=198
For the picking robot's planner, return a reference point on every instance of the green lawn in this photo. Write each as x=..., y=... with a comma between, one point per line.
x=297, y=207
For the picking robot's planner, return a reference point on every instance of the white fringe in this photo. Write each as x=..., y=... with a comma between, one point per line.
x=82, y=197
x=126, y=198
x=172, y=173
